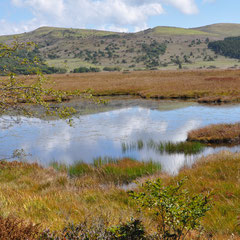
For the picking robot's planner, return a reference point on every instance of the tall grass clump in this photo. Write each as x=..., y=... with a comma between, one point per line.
x=118, y=171
x=165, y=147
x=126, y=170
x=216, y=133
x=181, y=147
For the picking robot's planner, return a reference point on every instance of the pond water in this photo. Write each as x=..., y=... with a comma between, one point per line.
x=102, y=134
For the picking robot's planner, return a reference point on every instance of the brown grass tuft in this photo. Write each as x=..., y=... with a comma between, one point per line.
x=218, y=133
x=12, y=228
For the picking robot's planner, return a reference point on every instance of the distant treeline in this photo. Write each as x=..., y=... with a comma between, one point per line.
x=26, y=62
x=229, y=47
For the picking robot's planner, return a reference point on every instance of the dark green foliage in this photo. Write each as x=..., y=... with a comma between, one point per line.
x=229, y=47
x=98, y=230
x=25, y=61
x=86, y=70
x=112, y=69
x=132, y=230
x=177, y=212
x=154, y=49
x=152, y=53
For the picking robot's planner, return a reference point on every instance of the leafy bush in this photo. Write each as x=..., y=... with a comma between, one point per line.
x=111, y=69
x=98, y=230
x=86, y=69
x=177, y=212
x=132, y=230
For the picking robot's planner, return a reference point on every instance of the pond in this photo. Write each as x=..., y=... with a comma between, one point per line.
x=103, y=134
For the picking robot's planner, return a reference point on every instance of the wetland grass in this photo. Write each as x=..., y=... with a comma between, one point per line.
x=118, y=171
x=187, y=148
x=52, y=198
x=218, y=174
x=216, y=134
x=199, y=85
x=185, y=84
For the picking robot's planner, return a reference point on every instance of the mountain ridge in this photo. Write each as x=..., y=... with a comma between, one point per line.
x=72, y=48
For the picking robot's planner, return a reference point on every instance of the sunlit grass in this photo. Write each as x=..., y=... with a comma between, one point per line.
x=219, y=174
x=193, y=84
x=217, y=133
x=53, y=198
x=106, y=170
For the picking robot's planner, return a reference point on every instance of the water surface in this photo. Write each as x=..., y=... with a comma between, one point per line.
x=102, y=134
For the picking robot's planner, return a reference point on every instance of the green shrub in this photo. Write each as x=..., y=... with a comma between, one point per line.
x=98, y=230
x=111, y=69
x=86, y=70
x=177, y=212
x=132, y=230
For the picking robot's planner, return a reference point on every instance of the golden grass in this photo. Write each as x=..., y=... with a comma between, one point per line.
x=52, y=199
x=157, y=84
x=210, y=86
x=216, y=133
x=219, y=174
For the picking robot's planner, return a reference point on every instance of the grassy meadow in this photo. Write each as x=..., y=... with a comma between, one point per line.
x=54, y=196
x=199, y=85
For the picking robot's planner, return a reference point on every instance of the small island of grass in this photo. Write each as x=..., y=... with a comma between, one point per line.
x=216, y=134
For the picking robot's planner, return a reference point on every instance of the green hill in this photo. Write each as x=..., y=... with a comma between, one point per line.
x=177, y=31
x=73, y=48
x=221, y=29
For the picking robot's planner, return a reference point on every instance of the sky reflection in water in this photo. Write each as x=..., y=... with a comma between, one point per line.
x=102, y=134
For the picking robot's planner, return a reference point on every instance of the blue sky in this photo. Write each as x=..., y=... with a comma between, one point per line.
x=18, y=16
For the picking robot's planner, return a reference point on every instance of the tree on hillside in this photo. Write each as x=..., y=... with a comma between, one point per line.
x=17, y=93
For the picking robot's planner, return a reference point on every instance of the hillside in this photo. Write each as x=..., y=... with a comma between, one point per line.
x=221, y=29
x=156, y=48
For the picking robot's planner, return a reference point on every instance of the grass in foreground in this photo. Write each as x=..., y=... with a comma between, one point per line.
x=53, y=199
x=107, y=170
x=218, y=133
x=219, y=174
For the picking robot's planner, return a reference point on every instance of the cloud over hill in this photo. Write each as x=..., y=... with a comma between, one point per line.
x=117, y=15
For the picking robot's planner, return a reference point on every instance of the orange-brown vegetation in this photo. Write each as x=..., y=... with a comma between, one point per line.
x=218, y=133
x=52, y=198
x=203, y=85
x=12, y=228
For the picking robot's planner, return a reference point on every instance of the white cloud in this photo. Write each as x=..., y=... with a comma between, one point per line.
x=118, y=15
x=185, y=6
